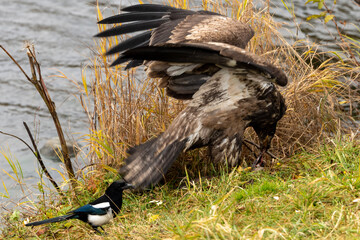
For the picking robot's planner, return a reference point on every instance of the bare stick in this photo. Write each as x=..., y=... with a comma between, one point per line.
x=15, y=62
x=254, y=144
x=11, y=135
x=38, y=156
x=39, y=84
x=249, y=149
x=352, y=56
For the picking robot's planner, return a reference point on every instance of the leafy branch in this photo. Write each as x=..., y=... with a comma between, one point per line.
x=327, y=16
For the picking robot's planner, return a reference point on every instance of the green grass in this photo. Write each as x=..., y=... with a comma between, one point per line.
x=312, y=195
x=308, y=196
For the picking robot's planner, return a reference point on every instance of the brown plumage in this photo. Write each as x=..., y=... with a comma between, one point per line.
x=198, y=56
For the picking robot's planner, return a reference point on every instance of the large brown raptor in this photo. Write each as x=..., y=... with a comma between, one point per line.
x=199, y=56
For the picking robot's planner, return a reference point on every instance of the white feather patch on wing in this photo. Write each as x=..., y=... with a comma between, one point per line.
x=179, y=69
x=101, y=205
x=99, y=220
x=223, y=142
x=260, y=79
x=230, y=83
x=193, y=137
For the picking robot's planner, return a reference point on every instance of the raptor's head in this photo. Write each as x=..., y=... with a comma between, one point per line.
x=265, y=126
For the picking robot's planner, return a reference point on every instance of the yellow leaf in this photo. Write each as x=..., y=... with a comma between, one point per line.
x=83, y=76
x=320, y=5
x=153, y=218
x=328, y=18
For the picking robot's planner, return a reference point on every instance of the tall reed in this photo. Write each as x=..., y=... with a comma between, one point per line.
x=128, y=108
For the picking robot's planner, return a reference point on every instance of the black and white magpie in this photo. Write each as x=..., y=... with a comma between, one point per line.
x=98, y=212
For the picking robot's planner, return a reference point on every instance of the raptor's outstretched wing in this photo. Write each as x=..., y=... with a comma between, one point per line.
x=163, y=25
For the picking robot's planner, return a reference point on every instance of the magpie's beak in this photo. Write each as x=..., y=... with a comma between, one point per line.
x=128, y=186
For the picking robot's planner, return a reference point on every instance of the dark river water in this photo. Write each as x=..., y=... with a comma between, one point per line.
x=62, y=33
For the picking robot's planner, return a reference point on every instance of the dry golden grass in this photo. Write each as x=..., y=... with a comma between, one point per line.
x=128, y=108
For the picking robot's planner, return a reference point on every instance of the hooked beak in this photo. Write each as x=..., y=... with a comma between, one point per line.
x=264, y=146
x=258, y=159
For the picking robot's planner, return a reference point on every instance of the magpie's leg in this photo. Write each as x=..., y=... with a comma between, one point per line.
x=96, y=230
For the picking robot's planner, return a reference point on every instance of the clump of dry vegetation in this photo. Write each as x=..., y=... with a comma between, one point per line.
x=129, y=108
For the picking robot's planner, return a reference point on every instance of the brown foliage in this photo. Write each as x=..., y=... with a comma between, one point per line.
x=129, y=108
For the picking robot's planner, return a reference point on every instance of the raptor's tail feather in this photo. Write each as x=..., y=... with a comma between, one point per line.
x=149, y=161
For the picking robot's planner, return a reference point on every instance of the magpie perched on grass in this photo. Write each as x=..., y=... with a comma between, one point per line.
x=98, y=212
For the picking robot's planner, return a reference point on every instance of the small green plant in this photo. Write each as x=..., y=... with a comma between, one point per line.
x=261, y=188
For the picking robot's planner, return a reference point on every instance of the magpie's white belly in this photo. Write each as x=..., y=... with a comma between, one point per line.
x=99, y=220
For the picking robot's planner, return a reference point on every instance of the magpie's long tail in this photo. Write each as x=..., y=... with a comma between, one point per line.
x=51, y=220
x=148, y=162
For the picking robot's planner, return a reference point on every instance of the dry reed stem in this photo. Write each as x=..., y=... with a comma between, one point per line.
x=129, y=108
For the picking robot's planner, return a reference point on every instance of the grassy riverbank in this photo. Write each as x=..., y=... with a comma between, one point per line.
x=312, y=191
x=310, y=195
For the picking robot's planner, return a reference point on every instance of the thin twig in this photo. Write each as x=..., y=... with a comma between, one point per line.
x=11, y=135
x=41, y=80
x=257, y=146
x=17, y=64
x=39, y=84
x=38, y=156
x=249, y=149
x=352, y=56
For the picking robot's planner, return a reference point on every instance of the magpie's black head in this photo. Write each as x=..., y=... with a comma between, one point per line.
x=118, y=186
